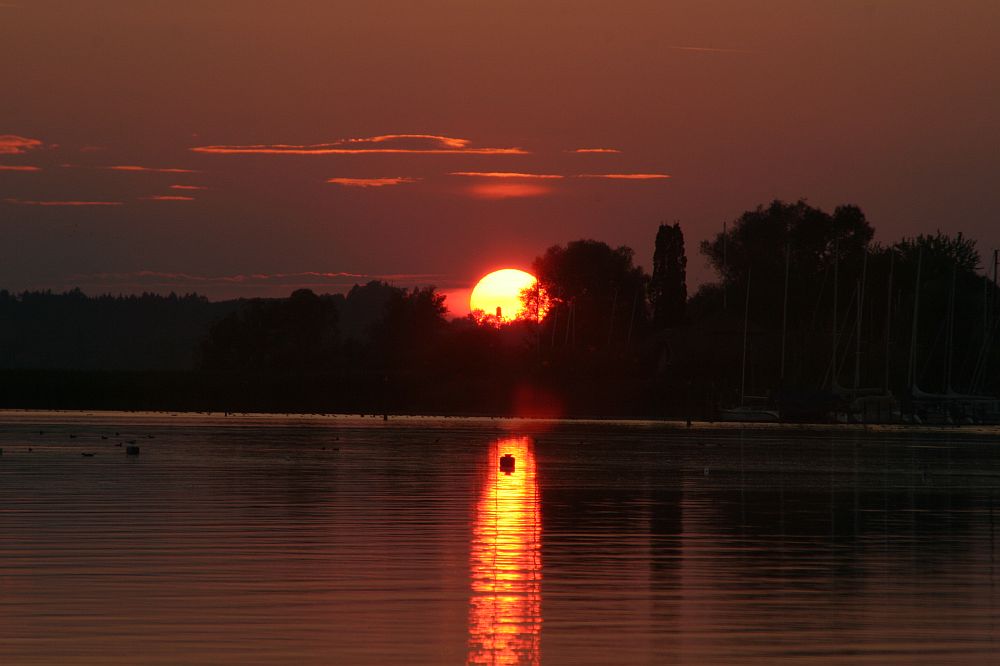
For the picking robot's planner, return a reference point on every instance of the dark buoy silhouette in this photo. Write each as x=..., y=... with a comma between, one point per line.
x=507, y=463
x=87, y=454
x=132, y=450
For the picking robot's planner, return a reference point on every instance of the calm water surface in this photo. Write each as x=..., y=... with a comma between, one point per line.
x=352, y=541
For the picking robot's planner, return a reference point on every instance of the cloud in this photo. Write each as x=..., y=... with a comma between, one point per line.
x=512, y=184
x=708, y=49
x=188, y=187
x=595, y=150
x=22, y=202
x=508, y=190
x=131, y=167
x=11, y=144
x=371, y=182
x=626, y=176
x=413, y=144
x=504, y=174
x=340, y=279
x=11, y=167
x=166, y=197
x=448, y=141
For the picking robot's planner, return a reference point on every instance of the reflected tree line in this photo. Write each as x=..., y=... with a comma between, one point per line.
x=805, y=307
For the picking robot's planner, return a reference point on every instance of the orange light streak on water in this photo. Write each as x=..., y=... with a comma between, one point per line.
x=505, y=615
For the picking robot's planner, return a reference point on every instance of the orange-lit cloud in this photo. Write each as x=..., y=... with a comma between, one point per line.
x=337, y=279
x=626, y=176
x=448, y=141
x=188, y=187
x=12, y=167
x=596, y=150
x=509, y=190
x=413, y=144
x=708, y=49
x=11, y=144
x=132, y=167
x=22, y=202
x=505, y=174
x=371, y=182
x=167, y=197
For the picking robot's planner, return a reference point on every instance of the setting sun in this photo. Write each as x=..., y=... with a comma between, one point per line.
x=499, y=294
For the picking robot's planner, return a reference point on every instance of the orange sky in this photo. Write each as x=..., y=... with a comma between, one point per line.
x=335, y=142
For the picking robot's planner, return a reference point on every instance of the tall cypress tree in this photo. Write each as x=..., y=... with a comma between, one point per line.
x=668, y=288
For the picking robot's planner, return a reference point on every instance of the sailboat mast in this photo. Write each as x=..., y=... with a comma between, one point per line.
x=861, y=309
x=912, y=367
x=746, y=332
x=996, y=262
x=784, y=314
x=888, y=318
x=833, y=333
x=725, y=266
x=950, y=346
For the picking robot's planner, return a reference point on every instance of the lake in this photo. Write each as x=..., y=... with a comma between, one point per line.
x=347, y=540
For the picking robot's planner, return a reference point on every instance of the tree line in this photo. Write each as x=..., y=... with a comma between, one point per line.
x=805, y=308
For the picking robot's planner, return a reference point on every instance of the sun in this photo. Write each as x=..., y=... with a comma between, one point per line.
x=497, y=296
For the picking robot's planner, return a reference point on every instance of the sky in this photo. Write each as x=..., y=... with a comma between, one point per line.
x=251, y=147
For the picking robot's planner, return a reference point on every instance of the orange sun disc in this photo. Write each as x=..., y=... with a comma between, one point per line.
x=497, y=297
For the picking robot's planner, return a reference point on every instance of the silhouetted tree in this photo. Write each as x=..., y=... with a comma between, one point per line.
x=597, y=294
x=363, y=307
x=816, y=242
x=668, y=286
x=275, y=337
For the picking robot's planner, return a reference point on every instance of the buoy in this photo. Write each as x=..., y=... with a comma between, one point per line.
x=131, y=450
x=87, y=454
x=507, y=463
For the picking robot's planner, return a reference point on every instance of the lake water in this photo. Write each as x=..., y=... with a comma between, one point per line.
x=249, y=540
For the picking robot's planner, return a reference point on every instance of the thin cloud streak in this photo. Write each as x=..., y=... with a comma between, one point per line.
x=448, y=141
x=371, y=182
x=166, y=197
x=12, y=167
x=316, y=278
x=508, y=190
x=12, y=144
x=625, y=176
x=409, y=144
x=595, y=150
x=132, y=167
x=23, y=202
x=505, y=174
x=188, y=187
x=708, y=49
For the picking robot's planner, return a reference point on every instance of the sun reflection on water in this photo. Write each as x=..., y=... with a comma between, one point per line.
x=505, y=615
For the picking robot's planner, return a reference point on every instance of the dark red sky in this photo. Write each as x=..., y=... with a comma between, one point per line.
x=894, y=106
